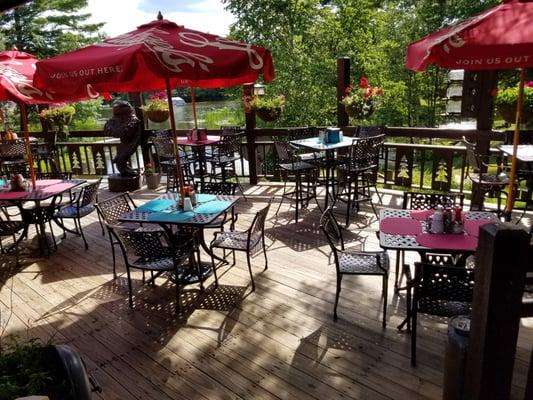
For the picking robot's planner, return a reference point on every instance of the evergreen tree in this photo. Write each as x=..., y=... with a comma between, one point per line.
x=45, y=28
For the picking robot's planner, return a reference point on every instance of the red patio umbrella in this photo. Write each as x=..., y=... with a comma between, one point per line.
x=16, y=84
x=499, y=38
x=157, y=55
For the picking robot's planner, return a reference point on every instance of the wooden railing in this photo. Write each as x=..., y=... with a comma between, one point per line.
x=414, y=158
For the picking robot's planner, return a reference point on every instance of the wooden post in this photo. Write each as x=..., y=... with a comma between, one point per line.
x=136, y=100
x=501, y=264
x=343, y=81
x=250, y=136
x=483, y=110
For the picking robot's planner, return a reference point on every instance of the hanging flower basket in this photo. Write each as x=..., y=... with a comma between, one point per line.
x=506, y=102
x=268, y=114
x=359, y=110
x=157, y=115
x=361, y=101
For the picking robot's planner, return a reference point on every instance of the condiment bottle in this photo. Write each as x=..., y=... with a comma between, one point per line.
x=437, y=224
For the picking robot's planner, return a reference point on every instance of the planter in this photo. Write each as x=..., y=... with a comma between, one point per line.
x=75, y=372
x=356, y=111
x=152, y=181
x=160, y=115
x=268, y=114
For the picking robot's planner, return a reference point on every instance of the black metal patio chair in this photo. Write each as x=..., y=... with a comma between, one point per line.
x=154, y=251
x=354, y=262
x=82, y=205
x=249, y=241
x=9, y=228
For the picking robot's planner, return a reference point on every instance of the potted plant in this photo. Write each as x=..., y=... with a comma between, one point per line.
x=152, y=178
x=157, y=109
x=506, y=102
x=362, y=101
x=268, y=108
x=58, y=117
x=37, y=368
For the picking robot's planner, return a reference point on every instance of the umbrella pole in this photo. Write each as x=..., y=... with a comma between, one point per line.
x=24, y=119
x=174, y=139
x=516, y=138
x=193, y=100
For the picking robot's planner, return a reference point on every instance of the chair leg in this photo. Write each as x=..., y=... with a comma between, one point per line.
x=53, y=236
x=348, y=200
x=129, y=287
x=397, y=270
x=282, y=197
x=265, y=253
x=214, y=268
x=248, y=260
x=339, y=280
x=178, y=293
x=385, y=298
x=113, y=255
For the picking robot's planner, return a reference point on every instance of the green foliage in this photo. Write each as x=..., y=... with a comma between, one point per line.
x=306, y=37
x=218, y=117
x=267, y=102
x=362, y=100
x=29, y=369
x=46, y=28
x=60, y=116
x=509, y=97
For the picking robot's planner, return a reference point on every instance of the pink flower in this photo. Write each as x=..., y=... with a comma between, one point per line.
x=363, y=82
x=529, y=84
x=347, y=90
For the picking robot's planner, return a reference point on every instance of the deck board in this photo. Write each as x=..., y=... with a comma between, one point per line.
x=278, y=342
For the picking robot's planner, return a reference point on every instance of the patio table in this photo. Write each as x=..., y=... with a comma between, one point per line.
x=165, y=211
x=407, y=230
x=198, y=148
x=524, y=152
x=45, y=189
x=316, y=145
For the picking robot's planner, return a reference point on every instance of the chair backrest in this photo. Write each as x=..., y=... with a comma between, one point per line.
x=230, y=130
x=369, y=131
x=301, y=133
x=430, y=201
x=258, y=224
x=144, y=244
x=12, y=148
x=286, y=153
x=443, y=290
x=111, y=209
x=163, y=146
x=220, y=188
x=365, y=151
x=229, y=144
x=332, y=230
x=89, y=194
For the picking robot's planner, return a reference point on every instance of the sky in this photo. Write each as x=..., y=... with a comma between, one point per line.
x=122, y=16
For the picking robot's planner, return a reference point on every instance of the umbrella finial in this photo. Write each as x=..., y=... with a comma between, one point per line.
x=159, y=16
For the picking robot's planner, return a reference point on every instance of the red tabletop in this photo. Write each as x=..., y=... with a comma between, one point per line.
x=448, y=242
x=211, y=139
x=44, y=189
x=400, y=226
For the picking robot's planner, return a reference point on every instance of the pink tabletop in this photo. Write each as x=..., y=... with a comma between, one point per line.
x=47, y=182
x=421, y=215
x=400, y=226
x=58, y=187
x=447, y=241
x=211, y=139
x=472, y=225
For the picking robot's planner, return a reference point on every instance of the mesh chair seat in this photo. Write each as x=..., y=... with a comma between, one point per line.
x=74, y=212
x=236, y=240
x=297, y=166
x=363, y=263
x=489, y=179
x=444, y=308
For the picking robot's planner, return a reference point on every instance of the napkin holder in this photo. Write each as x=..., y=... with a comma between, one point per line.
x=201, y=134
x=332, y=136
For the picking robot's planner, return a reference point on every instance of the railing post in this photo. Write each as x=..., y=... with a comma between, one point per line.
x=343, y=81
x=250, y=136
x=136, y=99
x=482, y=83
x=501, y=264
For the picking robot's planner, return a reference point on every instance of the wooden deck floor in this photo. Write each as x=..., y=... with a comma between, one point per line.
x=278, y=342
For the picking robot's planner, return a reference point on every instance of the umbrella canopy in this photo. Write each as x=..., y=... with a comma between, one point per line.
x=499, y=38
x=145, y=58
x=16, y=82
x=157, y=55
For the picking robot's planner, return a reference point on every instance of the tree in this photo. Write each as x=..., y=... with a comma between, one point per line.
x=45, y=28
